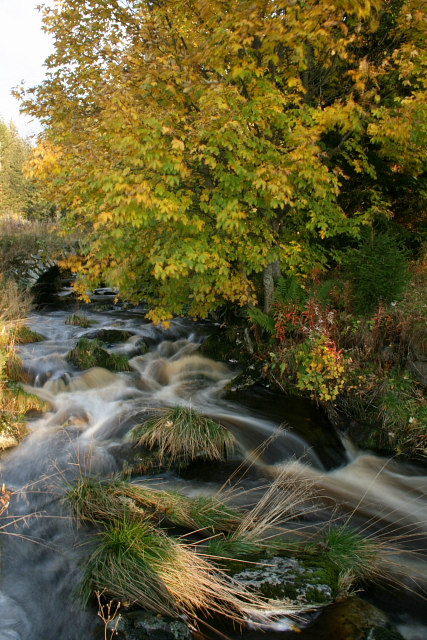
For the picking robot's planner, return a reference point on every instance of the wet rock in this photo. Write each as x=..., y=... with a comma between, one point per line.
x=353, y=619
x=141, y=625
x=286, y=579
x=110, y=336
x=217, y=347
x=253, y=374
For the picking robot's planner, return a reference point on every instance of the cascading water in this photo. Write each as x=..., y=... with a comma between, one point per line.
x=90, y=417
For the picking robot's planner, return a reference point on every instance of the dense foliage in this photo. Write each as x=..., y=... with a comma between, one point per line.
x=202, y=142
x=18, y=194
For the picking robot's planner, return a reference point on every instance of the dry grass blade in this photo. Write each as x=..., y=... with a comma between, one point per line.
x=137, y=562
x=181, y=435
x=5, y=498
x=14, y=304
x=290, y=496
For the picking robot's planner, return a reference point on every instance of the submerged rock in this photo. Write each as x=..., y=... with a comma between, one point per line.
x=141, y=625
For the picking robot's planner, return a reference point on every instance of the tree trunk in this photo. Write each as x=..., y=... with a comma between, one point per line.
x=271, y=272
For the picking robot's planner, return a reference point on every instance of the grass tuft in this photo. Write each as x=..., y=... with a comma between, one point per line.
x=181, y=434
x=80, y=321
x=137, y=562
x=25, y=335
x=357, y=557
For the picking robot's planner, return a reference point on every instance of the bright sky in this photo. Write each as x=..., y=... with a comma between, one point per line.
x=23, y=50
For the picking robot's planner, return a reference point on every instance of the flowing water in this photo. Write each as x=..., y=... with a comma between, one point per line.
x=86, y=429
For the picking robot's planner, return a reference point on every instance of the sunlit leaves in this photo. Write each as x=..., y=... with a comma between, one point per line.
x=198, y=142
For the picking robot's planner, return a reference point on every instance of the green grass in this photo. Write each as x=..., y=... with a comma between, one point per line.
x=357, y=558
x=91, y=353
x=210, y=513
x=182, y=434
x=97, y=501
x=124, y=564
x=135, y=560
x=80, y=321
x=24, y=335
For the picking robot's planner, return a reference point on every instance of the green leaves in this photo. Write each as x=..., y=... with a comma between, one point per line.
x=195, y=145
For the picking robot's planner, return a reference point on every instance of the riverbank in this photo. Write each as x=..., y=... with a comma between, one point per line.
x=367, y=370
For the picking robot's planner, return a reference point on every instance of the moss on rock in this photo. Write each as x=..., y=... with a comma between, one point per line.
x=281, y=578
x=91, y=353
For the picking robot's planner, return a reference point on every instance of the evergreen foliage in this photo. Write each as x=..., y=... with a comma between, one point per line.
x=378, y=272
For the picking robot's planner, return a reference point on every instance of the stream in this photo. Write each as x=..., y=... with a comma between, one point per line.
x=86, y=428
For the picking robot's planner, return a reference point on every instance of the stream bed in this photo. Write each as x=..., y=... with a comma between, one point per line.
x=86, y=428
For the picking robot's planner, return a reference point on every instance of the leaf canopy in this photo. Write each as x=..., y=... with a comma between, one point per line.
x=194, y=142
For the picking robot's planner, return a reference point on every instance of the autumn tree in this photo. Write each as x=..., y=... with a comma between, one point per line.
x=14, y=151
x=197, y=143
x=19, y=195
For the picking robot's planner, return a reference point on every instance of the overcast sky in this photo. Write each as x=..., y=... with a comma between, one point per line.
x=23, y=49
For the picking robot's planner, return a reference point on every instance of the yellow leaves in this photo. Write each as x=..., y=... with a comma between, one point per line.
x=178, y=144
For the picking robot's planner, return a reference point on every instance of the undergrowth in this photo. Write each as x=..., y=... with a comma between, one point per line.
x=15, y=403
x=360, y=352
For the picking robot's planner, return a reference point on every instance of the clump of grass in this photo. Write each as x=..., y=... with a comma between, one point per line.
x=15, y=304
x=17, y=401
x=230, y=546
x=287, y=498
x=182, y=434
x=210, y=513
x=97, y=502
x=91, y=353
x=135, y=560
x=25, y=335
x=357, y=558
x=80, y=321
x=263, y=528
x=14, y=366
x=138, y=562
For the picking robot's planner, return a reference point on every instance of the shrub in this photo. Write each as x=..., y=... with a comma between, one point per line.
x=322, y=368
x=378, y=271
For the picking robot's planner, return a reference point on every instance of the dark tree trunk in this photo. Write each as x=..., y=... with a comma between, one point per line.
x=271, y=273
